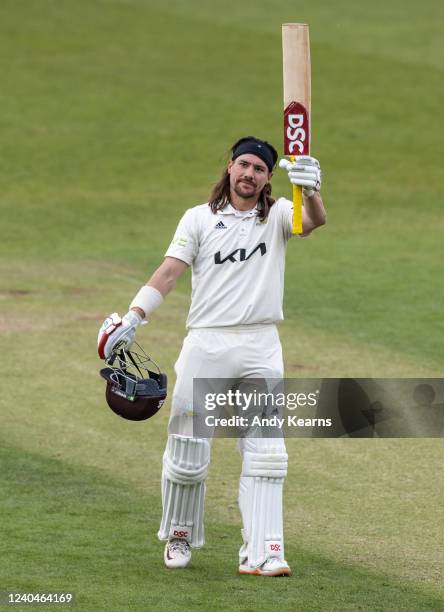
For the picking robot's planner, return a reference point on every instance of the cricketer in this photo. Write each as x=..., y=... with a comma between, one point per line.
x=235, y=244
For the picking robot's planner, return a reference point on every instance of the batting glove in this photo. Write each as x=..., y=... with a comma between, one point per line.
x=117, y=332
x=305, y=172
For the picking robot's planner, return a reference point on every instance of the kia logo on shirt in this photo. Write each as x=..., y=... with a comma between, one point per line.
x=240, y=254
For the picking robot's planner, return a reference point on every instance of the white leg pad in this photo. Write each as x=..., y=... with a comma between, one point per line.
x=260, y=499
x=185, y=468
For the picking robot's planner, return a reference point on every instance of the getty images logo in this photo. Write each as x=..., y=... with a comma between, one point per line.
x=240, y=254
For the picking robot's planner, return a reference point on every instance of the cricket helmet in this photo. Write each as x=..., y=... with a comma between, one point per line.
x=134, y=390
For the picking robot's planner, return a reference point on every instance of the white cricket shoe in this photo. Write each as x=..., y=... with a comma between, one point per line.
x=271, y=567
x=177, y=553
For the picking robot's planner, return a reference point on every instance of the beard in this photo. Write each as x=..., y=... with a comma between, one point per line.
x=245, y=189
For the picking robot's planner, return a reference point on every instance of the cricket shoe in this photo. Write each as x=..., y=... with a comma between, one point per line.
x=271, y=567
x=177, y=553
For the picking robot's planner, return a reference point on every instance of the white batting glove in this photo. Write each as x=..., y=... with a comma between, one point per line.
x=117, y=331
x=305, y=172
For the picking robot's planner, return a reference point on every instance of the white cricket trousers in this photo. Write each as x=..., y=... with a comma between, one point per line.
x=252, y=351
x=233, y=353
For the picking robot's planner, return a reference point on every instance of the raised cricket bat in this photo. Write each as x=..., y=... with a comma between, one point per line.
x=297, y=99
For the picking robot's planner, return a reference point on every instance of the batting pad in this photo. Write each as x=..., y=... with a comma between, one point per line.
x=260, y=499
x=185, y=468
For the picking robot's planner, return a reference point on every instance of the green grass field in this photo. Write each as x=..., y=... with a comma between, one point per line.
x=116, y=117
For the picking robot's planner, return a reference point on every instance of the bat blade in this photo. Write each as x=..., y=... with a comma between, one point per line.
x=297, y=100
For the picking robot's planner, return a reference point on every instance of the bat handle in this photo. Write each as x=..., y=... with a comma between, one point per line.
x=297, y=206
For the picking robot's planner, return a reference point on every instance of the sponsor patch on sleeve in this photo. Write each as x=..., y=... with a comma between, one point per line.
x=180, y=241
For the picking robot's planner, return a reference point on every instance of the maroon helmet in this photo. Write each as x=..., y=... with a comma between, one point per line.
x=133, y=391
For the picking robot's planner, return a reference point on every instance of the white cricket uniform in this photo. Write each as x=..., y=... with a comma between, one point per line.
x=237, y=264
x=237, y=291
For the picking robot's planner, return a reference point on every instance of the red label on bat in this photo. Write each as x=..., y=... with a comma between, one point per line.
x=296, y=130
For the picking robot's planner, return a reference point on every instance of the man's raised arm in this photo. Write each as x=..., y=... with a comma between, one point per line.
x=313, y=213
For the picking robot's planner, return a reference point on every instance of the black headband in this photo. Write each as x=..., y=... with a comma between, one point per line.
x=257, y=147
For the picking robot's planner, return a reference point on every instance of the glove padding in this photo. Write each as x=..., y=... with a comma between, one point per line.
x=305, y=172
x=117, y=332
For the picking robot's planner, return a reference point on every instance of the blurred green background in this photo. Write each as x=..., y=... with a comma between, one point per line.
x=117, y=115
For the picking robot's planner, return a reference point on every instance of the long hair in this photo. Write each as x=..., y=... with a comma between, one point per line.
x=220, y=194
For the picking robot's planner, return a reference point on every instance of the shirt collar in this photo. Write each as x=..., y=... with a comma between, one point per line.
x=230, y=210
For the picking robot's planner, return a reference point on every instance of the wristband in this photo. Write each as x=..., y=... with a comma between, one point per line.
x=147, y=299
